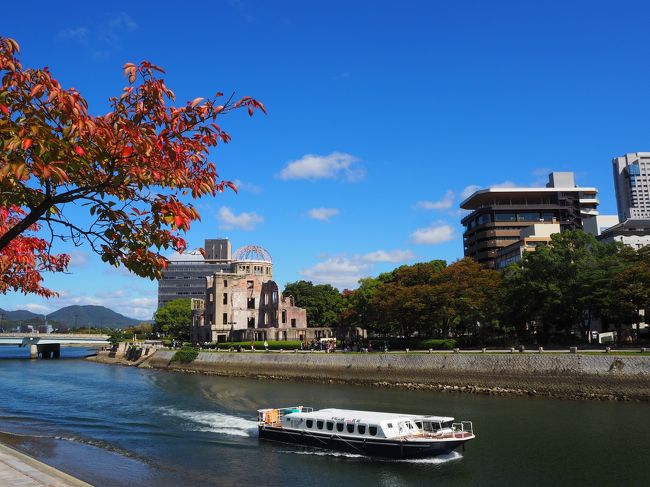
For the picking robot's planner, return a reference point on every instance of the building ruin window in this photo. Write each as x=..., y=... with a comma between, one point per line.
x=225, y=318
x=249, y=284
x=251, y=303
x=284, y=316
x=251, y=322
x=225, y=298
x=293, y=322
x=266, y=318
x=225, y=283
x=275, y=297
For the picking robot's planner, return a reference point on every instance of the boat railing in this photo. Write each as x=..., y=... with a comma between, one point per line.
x=462, y=429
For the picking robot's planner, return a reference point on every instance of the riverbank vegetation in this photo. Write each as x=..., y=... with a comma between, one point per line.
x=554, y=295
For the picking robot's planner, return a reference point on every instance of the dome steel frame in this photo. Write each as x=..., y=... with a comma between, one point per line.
x=252, y=253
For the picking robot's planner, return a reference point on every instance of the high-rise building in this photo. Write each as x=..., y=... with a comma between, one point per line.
x=186, y=273
x=632, y=184
x=499, y=214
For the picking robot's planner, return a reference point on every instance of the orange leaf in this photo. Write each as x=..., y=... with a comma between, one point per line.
x=27, y=143
x=232, y=186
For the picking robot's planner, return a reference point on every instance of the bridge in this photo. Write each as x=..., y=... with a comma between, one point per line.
x=48, y=345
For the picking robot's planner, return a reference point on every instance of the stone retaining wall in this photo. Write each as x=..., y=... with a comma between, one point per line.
x=605, y=376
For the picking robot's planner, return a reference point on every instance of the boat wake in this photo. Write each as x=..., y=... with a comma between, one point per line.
x=438, y=460
x=213, y=422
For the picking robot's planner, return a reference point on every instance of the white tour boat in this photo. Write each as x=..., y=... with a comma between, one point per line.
x=365, y=432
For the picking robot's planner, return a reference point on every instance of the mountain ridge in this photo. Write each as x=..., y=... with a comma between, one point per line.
x=77, y=316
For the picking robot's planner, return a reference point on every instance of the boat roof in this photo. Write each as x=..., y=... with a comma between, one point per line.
x=366, y=416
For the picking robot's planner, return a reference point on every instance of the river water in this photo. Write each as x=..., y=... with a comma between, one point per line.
x=121, y=426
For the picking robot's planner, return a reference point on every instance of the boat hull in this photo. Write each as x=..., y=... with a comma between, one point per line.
x=376, y=447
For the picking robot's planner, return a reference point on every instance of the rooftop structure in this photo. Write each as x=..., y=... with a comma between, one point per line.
x=499, y=214
x=634, y=233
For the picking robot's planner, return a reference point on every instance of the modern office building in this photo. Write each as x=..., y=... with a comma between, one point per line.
x=186, y=273
x=499, y=214
x=632, y=184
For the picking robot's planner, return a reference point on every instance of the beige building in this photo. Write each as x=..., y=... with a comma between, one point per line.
x=529, y=238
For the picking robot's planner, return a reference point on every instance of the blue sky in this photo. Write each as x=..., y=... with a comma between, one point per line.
x=381, y=115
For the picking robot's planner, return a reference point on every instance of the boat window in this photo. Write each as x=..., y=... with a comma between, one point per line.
x=330, y=425
x=310, y=423
x=339, y=427
x=350, y=427
x=389, y=425
x=361, y=429
x=418, y=425
x=319, y=424
x=446, y=424
x=372, y=430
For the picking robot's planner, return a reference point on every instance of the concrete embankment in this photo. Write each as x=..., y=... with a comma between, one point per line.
x=18, y=469
x=582, y=375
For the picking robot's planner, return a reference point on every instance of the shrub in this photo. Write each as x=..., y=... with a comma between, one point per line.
x=185, y=355
x=414, y=343
x=273, y=345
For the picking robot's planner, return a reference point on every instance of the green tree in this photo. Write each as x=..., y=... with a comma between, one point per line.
x=324, y=303
x=174, y=319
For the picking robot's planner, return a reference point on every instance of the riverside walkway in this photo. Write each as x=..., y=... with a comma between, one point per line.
x=19, y=470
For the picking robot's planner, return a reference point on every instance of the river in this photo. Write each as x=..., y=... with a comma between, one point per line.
x=122, y=426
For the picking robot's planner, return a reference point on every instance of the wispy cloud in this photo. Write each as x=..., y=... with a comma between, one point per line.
x=504, y=184
x=102, y=36
x=345, y=271
x=78, y=259
x=243, y=221
x=436, y=233
x=469, y=191
x=443, y=203
x=392, y=256
x=77, y=33
x=337, y=165
x=248, y=187
x=341, y=272
x=323, y=214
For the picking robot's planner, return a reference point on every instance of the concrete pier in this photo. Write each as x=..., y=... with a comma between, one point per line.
x=20, y=470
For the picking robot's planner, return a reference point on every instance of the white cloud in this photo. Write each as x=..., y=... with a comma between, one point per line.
x=78, y=258
x=437, y=232
x=444, y=203
x=340, y=272
x=243, y=221
x=336, y=165
x=40, y=309
x=469, y=191
x=396, y=255
x=323, y=214
x=78, y=33
x=248, y=187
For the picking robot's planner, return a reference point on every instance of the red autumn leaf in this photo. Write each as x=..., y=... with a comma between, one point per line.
x=232, y=186
x=178, y=221
x=127, y=151
x=4, y=110
x=27, y=143
x=79, y=151
x=250, y=111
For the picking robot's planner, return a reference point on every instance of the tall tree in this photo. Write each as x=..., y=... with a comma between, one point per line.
x=323, y=302
x=134, y=169
x=174, y=319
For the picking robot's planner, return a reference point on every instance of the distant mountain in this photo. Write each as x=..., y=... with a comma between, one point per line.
x=76, y=316
x=90, y=315
x=18, y=315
